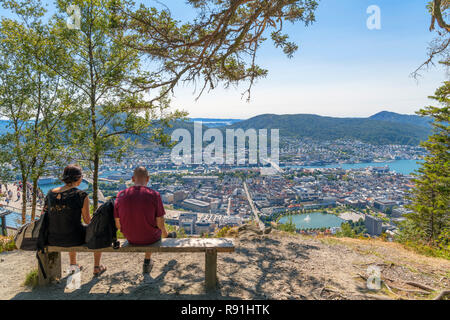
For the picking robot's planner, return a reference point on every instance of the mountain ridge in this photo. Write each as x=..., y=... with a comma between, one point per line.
x=367, y=130
x=402, y=118
x=382, y=128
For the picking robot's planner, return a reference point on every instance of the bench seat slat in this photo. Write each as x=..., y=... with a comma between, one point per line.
x=165, y=245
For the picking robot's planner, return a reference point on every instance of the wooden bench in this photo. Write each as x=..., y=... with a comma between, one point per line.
x=51, y=259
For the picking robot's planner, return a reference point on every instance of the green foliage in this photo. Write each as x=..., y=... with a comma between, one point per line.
x=223, y=232
x=31, y=279
x=120, y=235
x=358, y=227
x=32, y=97
x=328, y=128
x=111, y=111
x=218, y=45
x=430, y=198
x=346, y=231
x=181, y=233
x=413, y=238
x=7, y=244
x=289, y=226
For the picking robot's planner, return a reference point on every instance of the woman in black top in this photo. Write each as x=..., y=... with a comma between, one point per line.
x=65, y=206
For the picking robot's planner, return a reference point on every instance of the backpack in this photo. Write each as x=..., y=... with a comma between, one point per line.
x=32, y=236
x=102, y=231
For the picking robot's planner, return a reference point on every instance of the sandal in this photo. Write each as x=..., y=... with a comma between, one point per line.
x=101, y=269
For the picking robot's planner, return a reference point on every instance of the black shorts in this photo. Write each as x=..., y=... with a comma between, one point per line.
x=69, y=240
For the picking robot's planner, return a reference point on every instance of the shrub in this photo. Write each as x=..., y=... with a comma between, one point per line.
x=289, y=226
x=223, y=232
x=346, y=231
x=31, y=279
x=181, y=233
x=7, y=244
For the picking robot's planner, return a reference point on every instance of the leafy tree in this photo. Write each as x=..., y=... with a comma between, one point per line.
x=218, y=46
x=105, y=72
x=31, y=97
x=439, y=47
x=289, y=226
x=346, y=231
x=431, y=195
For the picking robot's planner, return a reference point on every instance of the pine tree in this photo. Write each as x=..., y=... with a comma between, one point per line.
x=430, y=218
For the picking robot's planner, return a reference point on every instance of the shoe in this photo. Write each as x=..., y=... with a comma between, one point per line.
x=147, y=267
x=98, y=270
x=172, y=234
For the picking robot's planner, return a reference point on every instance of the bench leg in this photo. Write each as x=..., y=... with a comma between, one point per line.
x=51, y=262
x=211, y=269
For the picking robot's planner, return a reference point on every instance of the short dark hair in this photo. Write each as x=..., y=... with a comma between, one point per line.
x=140, y=172
x=71, y=174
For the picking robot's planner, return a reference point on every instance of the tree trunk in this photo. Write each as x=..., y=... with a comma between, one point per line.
x=93, y=90
x=24, y=200
x=33, y=205
x=95, y=183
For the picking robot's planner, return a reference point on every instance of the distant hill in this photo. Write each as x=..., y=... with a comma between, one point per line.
x=402, y=118
x=382, y=128
x=328, y=128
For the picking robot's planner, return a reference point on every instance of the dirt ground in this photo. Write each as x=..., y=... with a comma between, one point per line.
x=274, y=266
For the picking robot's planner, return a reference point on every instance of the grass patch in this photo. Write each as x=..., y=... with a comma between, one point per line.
x=7, y=244
x=31, y=279
x=330, y=241
x=426, y=250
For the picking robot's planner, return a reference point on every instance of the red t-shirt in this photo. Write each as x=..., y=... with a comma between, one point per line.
x=137, y=208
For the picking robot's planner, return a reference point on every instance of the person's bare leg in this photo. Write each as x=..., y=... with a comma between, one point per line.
x=148, y=255
x=97, y=257
x=98, y=268
x=73, y=258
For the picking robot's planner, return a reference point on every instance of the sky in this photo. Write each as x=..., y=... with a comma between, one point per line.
x=341, y=69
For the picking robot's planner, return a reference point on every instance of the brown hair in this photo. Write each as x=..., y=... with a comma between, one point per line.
x=71, y=174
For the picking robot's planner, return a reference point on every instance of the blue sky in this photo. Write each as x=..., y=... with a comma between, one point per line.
x=341, y=69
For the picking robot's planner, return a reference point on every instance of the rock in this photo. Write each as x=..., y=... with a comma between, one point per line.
x=267, y=230
x=242, y=228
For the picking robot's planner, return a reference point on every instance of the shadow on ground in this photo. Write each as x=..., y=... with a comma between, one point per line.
x=261, y=268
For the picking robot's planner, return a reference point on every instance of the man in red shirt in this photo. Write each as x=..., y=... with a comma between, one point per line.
x=139, y=214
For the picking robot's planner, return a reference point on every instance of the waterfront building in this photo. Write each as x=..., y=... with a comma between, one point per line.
x=373, y=225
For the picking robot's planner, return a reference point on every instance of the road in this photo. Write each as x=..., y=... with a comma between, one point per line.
x=101, y=197
x=254, y=209
x=274, y=165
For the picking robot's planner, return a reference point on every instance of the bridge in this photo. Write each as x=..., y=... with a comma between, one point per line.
x=100, y=194
x=273, y=164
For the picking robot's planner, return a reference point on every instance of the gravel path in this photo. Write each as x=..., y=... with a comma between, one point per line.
x=274, y=266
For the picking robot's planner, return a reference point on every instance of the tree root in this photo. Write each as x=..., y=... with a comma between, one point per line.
x=419, y=285
x=442, y=295
x=426, y=290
